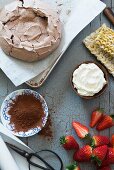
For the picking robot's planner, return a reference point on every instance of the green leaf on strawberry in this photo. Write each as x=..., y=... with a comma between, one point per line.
x=98, y=140
x=73, y=166
x=99, y=154
x=68, y=142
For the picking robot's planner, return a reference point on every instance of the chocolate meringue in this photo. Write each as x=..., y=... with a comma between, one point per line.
x=29, y=30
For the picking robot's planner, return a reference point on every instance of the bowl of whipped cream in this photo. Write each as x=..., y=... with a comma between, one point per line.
x=89, y=79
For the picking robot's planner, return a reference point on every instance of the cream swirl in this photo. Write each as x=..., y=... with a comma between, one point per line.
x=30, y=30
x=88, y=79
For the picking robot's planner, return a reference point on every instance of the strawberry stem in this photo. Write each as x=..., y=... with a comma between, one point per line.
x=112, y=116
x=88, y=136
x=62, y=140
x=101, y=110
x=96, y=159
x=72, y=166
x=92, y=143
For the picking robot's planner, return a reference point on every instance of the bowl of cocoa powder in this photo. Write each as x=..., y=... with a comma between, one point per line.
x=24, y=112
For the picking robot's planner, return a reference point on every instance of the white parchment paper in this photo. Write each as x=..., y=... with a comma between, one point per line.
x=75, y=15
x=9, y=159
x=6, y=159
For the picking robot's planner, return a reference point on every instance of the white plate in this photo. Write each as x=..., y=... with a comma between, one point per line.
x=5, y=118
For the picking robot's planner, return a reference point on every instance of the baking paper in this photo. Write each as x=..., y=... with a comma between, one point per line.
x=12, y=158
x=75, y=15
x=6, y=159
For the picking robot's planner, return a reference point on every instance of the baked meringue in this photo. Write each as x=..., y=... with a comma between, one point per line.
x=29, y=30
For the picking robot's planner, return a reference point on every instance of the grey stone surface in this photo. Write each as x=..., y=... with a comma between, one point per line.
x=64, y=105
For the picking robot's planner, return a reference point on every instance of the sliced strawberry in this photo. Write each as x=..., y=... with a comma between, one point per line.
x=99, y=154
x=96, y=117
x=106, y=122
x=98, y=140
x=68, y=142
x=105, y=168
x=73, y=166
x=81, y=130
x=84, y=154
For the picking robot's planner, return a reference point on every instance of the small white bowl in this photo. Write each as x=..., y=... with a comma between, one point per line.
x=5, y=117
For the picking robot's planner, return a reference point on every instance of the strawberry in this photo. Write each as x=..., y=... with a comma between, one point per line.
x=105, y=168
x=109, y=158
x=68, y=142
x=112, y=141
x=96, y=117
x=84, y=154
x=73, y=166
x=105, y=162
x=110, y=155
x=99, y=154
x=81, y=130
x=106, y=122
x=98, y=140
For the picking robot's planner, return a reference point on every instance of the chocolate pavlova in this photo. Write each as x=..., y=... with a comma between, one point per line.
x=29, y=30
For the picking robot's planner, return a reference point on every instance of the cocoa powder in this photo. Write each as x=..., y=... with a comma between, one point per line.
x=47, y=130
x=26, y=112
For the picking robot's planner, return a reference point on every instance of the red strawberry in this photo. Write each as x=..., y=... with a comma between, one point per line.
x=99, y=154
x=105, y=162
x=68, y=142
x=105, y=168
x=106, y=122
x=98, y=140
x=96, y=117
x=109, y=158
x=112, y=141
x=110, y=155
x=73, y=166
x=81, y=130
x=84, y=154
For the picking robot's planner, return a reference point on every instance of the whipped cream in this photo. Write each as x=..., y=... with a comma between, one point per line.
x=88, y=79
x=30, y=30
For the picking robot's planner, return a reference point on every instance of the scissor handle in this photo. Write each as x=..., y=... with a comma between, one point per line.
x=36, y=165
x=61, y=162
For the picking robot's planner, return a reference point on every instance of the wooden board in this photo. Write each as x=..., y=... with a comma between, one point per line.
x=64, y=104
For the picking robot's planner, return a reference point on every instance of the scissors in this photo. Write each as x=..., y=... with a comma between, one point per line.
x=28, y=157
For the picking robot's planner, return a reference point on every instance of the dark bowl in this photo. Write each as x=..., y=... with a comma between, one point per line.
x=101, y=91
